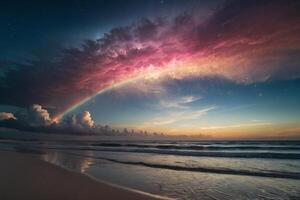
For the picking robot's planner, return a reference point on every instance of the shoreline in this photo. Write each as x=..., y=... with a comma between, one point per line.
x=25, y=176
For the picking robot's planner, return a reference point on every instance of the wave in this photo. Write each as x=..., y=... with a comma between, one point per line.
x=225, y=154
x=182, y=149
x=273, y=174
x=200, y=147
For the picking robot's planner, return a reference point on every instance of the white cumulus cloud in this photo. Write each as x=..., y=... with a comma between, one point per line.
x=6, y=116
x=81, y=120
x=38, y=116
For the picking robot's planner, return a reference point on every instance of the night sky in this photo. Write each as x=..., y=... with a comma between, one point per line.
x=217, y=69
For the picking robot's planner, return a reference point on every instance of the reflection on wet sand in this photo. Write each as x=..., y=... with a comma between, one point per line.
x=81, y=164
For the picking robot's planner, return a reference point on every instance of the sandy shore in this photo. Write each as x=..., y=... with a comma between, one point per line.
x=24, y=176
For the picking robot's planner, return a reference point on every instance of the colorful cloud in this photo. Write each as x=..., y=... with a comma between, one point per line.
x=244, y=41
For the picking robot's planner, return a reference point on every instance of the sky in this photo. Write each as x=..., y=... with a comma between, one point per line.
x=213, y=69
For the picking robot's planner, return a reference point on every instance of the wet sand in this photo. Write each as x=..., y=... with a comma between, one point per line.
x=25, y=176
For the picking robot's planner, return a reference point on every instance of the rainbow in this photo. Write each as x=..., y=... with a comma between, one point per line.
x=102, y=91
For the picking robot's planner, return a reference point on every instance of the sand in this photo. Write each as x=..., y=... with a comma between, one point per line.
x=25, y=176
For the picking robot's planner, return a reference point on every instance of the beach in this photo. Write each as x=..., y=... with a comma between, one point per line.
x=189, y=170
x=25, y=176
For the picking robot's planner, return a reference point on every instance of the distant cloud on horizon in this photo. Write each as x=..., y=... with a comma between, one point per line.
x=37, y=119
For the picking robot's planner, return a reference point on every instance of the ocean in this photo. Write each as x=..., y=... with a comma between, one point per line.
x=181, y=169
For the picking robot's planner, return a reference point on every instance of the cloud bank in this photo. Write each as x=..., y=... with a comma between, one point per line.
x=37, y=119
x=244, y=41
